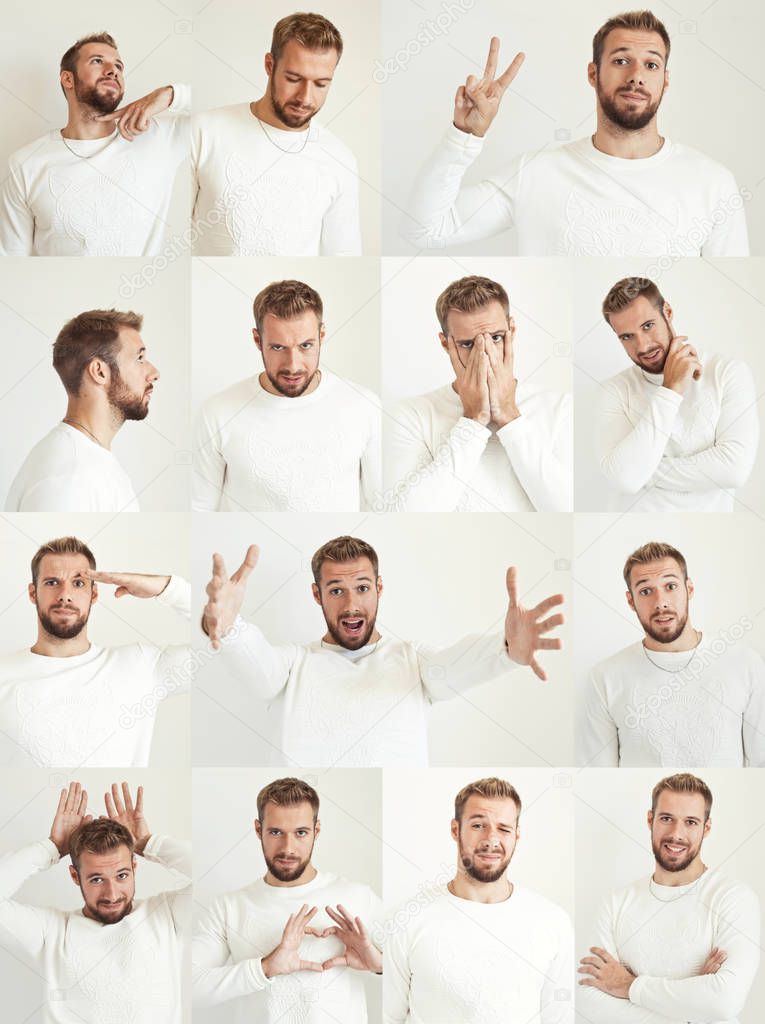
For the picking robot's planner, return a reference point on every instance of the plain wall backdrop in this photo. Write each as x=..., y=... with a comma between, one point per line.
x=444, y=578
x=228, y=854
x=729, y=320
x=37, y=297
x=550, y=102
x=231, y=38
x=27, y=809
x=613, y=842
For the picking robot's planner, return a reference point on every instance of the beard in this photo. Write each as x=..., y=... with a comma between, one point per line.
x=291, y=120
x=129, y=405
x=291, y=871
x=629, y=119
x=346, y=640
x=658, y=367
x=291, y=390
x=664, y=637
x=99, y=913
x=104, y=101
x=66, y=629
x=487, y=874
x=674, y=865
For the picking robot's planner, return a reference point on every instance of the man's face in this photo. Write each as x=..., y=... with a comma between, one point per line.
x=348, y=593
x=659, y=597
x=486, y=836
x=63, y=595
x=299, y=82
x=631, y=78
x=465, y=327
x=678, y=829
x=287, y=835
x=130, y=389
x=290, y=350
x=644, y=332
x=107, y=884
x=99, y=77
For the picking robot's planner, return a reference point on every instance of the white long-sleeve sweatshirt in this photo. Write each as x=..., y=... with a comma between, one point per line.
x=680, y=709
x=254, y=451
x=94, y=197
x=438, y=460
x=333, y=710
x=241, y=928
x=664, y=934
x=262, y=191
x=93, y=709
x=667, y=452
x=457, y=961
x=576, y=201
x=124, y=973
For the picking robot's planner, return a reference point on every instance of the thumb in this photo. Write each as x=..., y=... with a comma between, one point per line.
x=121, y=591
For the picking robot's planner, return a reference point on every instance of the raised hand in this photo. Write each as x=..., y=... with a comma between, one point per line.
x=137, y=584
x=681, y=365
x=502, y=381
x=477, y=101
x=714, y=961
x=70, y=814
x=135, y=118
x=123, y=811
x=523, y=630
x=360, y=953
x=285, y=959
x=472, y=381
x=225, y=596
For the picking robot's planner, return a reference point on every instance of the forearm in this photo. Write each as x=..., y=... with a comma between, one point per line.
x=704, y=999
x=248, y=657
x=630, y=455
x=214, y=985
x=341, y=229
x=473, y=660
x=181, y=99
x=543, y=467
x=596, y=1007
x=174, y=854
x=721, y=465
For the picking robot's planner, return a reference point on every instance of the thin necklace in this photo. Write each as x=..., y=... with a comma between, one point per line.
x=290, y=151
x=74, y=423
x=674, y=899
x=81, y=156
x=674, y=671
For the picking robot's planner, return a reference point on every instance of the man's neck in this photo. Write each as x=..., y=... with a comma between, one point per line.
x=674, y=878
x=82, y=123
x=688, y=639
x=468, y=888
x=329, y=639
x=308, y=876
x=264, y=111
x=53, y=647
x=98, y=421
x=629, y=145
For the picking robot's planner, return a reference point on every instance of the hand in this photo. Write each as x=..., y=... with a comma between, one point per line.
x=285, y=959
x=606, y=974
x=501, y=379
x=131, y=817
x=472, y=381
x=225, y=596
x=714, y=961
x=360, y=953
x=477, y=101
x=523, y=631
x=135, y=118
x=137, y=584
x=70, y=814
x=681, y=365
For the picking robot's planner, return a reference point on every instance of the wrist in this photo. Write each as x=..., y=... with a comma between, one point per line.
x=267, y=965
x=61, y=847
x=506, y=416
x=141, y=844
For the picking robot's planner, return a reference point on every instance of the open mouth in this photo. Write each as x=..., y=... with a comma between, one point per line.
x=352, y=626
x=675, y=848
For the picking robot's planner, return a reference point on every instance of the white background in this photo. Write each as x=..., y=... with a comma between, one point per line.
x=715, y=44
x=228, y=854
x=27, y=809
x=37, y=297
x=444, y=578
x=613, y=842
x=231, y=38
x=718, y=304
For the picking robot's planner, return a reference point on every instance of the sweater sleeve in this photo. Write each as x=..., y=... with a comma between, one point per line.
x=181, y=103
x=397, y=976
x=629, y=456
x=753, y=730
x=542, y=462
x=442, y=210
x=729, y=237
x=471, y=661
x=250, y=659
x=214, y=979
x=707, y=998
x=175, y=855
x=341, y=226
x=371, y=462
x=730, y=460
x=17, y=223
x=557, y=997
x=209, y=465
x=172, y=669
x=23, y=927
x=598, y=735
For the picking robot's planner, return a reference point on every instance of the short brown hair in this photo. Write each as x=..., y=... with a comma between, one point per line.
x=61, y=546
x=343, y=549
x=491, y=789
x=683, y=782
x=312, y=31
x=88, y=336
x=469, y=294
x=101, y=835
x=286, y=300
x=287, y=793
x=626, y=291
x=641, y=21
x=652, y=552
x=69, y=60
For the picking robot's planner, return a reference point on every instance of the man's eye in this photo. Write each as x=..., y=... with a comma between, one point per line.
x=497, y=338
x=307, y=344
x=465, y=344
x=364, y=588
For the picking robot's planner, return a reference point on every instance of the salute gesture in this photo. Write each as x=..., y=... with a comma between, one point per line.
x=523, y=630
x=137, y=584
x=225, y=596
x=361, y=954
x=477, y=101
x=70, y=814
x=123, y=811
x=285, y=959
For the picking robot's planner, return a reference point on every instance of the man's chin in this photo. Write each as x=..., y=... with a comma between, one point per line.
x=105, y=917
x=352, y=643
x=287, y=874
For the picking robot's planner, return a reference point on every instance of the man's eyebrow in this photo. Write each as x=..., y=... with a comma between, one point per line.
x=365, y=579
x=628, y=49
x=664, y=575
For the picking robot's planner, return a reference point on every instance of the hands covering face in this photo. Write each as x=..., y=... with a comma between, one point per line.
x=486, y=381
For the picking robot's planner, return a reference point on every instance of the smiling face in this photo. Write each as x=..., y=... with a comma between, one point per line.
x=678, y=829
x=465, y=327
x=107, y=884
x=631, y=78
x=287, y=835
x=644, y=332
x=659, y=596
x=348, y=593
x=486, y=836
x=63, y=595
x=290, y=350
x=130, y=389
x=98, y=81
x=298, y=83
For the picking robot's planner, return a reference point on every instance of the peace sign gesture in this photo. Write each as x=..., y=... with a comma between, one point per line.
x=523, y=630
x=225, y=596
x=477, y=101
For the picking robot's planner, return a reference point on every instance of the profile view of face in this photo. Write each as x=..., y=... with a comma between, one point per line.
x=63, y=595
x=631, y=78
x=131, y=387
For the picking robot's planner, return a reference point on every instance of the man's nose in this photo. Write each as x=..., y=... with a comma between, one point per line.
x=153, y=373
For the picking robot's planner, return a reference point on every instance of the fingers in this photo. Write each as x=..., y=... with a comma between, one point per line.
x=537, y=669
x=114, y=116
x=110, y=808
x=61, y=802
x=507, y=76
x=117, y=799
x=544, y=606
x=310, y=965
x=336, y=961
x=604, y=955
x=454, y=358
x=139, y=801
x=219, y=568
x=249, y=563
x=549, y=645
x=511, y=582
x=73, y=797
x=491, y=61
x=83, y=804
x=127, y=797
x=551, y=623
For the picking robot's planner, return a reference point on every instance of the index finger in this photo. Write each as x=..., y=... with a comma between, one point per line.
x=511, y=582
x=249, y=563
x=139, y=801
x=114, y=116
x=491, y=60
x=451, y=350
x=509, y=74
x=219, y=566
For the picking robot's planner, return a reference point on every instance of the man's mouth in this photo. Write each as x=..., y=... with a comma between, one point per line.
x=653, y=356
x=65, y=610
x=292, y=378
x=663, y=620
x=353, y=626
x=489, y=856
x=633, y=95
x=675, y=848
x=108, y=81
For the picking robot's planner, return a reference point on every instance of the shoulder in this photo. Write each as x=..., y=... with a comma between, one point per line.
x=699, y=163
x=542, y=907
x=615, y=663
x=331, y=144
x=352, y=392
x=219, y=117
x=33, y=151
x=236, y=393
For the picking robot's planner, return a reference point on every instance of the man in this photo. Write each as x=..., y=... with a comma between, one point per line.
x=358, y=698
x=483, y=442
x=625, y=191
x=115, y=958
x=676, y=697
x=678, y=431
x=257, y=946
x=295, y=438
x=102, y=363
x=483, y=949
x=68, y=702
x=93, y=189
x=682, y=945
x=268, y=181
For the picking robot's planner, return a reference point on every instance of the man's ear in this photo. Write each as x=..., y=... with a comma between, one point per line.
x=322, y=333
x=268, y=63
x=257, y=339
x=258, y=829
x=317, y=828
x=135, y=863
x=94, y=593
x=707, y=826
x=630, y=600
x=316, y=593
x=455, y=829
x=592, y=73
x=444, y=342
x=32, y=591
x=667, y=310
x=74, y=874
x=67, y=79
x=98, y=372
x=379, y=586
x=689, y=585
x=650, y=819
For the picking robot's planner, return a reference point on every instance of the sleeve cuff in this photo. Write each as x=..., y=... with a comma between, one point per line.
x=176, y=595
x=258, y=977
x=51, y=850
x=471, y=144
x=181, y=98
x=636, y=989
